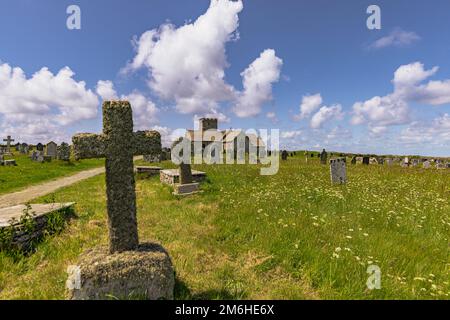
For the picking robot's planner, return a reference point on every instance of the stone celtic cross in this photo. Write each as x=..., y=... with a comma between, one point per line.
x=118, y=144
x=8, y=141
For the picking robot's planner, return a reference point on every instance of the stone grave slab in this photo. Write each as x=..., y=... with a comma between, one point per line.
x=172, y=176
x=10, y=162
x=149, y=170
x=186, y=189
x=38, y=210
x=12, y=217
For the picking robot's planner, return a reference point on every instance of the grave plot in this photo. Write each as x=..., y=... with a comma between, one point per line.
x=172, y=176
x=22, y=225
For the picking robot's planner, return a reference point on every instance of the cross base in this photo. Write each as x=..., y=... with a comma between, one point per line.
x=144, y=273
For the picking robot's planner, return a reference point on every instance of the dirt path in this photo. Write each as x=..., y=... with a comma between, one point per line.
x=30, y=193
x=23, y=196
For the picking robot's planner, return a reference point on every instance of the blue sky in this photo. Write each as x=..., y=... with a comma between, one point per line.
x=317, y=52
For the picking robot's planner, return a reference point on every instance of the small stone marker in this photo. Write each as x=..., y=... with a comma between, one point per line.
x=129, y=268
x=353, y=160
x=323, y=157
x=366, y=160
x=389, y=161
x=338, y=171
x=284, y=155
x=427, y=164
x=185, y=174
x=186, y=185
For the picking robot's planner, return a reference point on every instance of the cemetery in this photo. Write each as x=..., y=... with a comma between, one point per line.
x=334, y=214
x=224, y=150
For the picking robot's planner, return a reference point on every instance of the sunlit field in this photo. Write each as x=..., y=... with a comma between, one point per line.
x=288, y=236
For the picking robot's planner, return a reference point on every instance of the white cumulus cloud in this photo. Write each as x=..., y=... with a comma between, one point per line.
x=57, y=96
x=326, y=114
x=393, y=109
x=397, y=38
x=310, y=103
x=257, y=80
x=186, y=64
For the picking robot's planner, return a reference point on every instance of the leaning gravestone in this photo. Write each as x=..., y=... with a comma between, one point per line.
x=338, y=171
x=127, y=268
x=63, y=152
x=323, y=157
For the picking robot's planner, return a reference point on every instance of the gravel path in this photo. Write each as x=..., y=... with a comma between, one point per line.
x=23, y=196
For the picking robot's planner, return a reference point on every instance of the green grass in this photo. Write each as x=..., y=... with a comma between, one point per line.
x=288, y=236
x=28, y=172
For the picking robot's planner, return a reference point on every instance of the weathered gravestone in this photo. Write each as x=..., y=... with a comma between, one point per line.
x=63, y=152
x=440, y=165
x=389, y=161
x=24, y=148
x=128, y=268
x=153, y=158
x=323, y=157
x=427, y=164
x=338, y=171
x=37, y=156
x=353, y=161
x=380, y=161
x=51, y=149
x=284, y=155
x=405, y=162
x=40, y=147
x=187, y=184
x=366, y=160
x=8, y=141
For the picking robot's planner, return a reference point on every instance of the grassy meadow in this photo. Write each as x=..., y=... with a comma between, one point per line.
x=28, y=172
x=288, y=236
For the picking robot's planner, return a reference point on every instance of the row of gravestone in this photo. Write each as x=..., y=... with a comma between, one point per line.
x=62, y=153
x=366, y=160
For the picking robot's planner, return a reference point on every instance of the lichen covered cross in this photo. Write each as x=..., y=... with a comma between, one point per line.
x=8, y=141
x=118, y=144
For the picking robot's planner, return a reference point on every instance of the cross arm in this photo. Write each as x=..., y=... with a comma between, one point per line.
x=88, y=145
x=146, y=142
